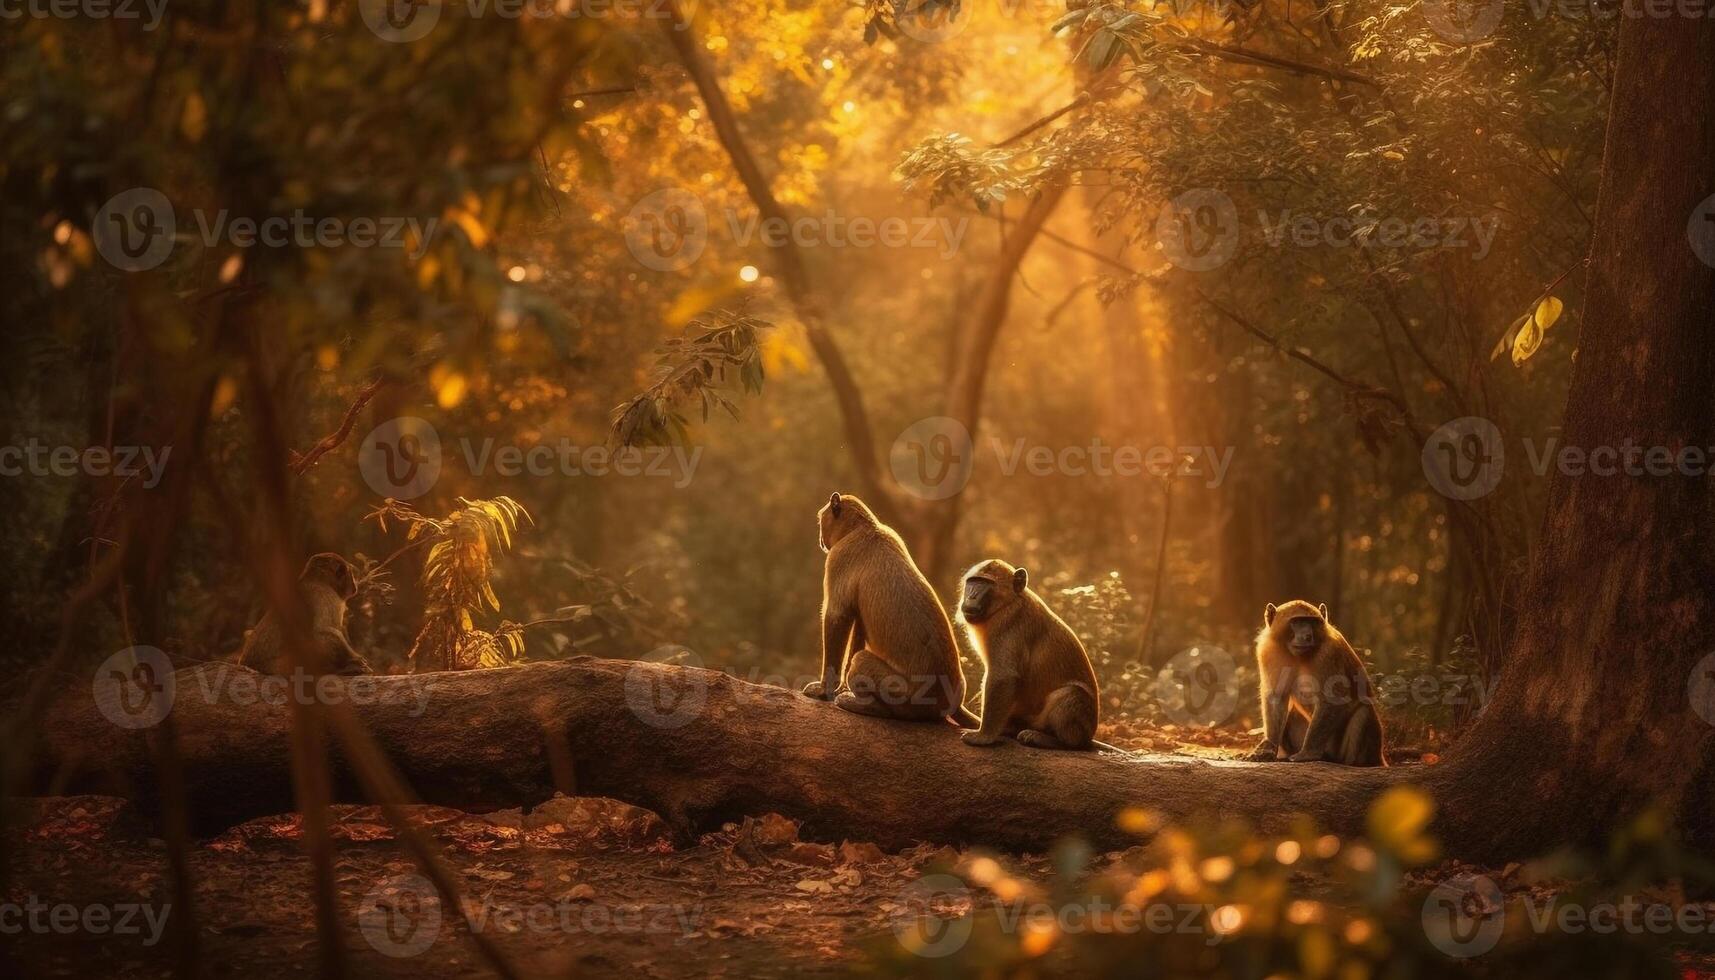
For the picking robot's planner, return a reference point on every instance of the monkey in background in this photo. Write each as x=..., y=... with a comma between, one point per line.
x=1038, y=685
x=877, y=607
x=1317, y=700
x=327, y=583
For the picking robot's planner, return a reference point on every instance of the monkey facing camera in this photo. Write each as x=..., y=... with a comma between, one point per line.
x=1317, y=701
x=1038, y=685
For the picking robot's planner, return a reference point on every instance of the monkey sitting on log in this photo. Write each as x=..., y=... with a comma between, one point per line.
x=1317, y=700
x=1038, y=685
x=876, y=605
x=326, y=583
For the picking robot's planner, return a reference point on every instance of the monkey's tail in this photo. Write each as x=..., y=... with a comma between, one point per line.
x=962, y=717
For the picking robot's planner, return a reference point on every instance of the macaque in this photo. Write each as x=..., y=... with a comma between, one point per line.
x=1038, y=685
x=885, y=636
x=326, y=583
x=1317, y=701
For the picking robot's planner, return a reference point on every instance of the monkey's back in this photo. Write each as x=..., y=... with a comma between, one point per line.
x=902, y=618
x=1056, y=657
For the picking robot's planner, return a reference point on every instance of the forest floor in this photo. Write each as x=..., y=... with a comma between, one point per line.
x=576, y=887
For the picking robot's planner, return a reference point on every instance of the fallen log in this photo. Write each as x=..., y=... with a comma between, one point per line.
x=696, y=746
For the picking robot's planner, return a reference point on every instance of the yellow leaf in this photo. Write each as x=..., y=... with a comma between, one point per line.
x=451, y=390
x=1398, y=822
x=780, y=352
x=1548, y=311
x=225, y=393
x=1136, y=820
x=1528, y=341
x=1506, y=341
x=193, y=119
x=470, y=224
x=695, y=300
x=427, y=270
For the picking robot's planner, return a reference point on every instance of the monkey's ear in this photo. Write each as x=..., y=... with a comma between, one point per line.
x=1268, y=615
x=1323, y=609
x=1020, y=579
x=834, y=504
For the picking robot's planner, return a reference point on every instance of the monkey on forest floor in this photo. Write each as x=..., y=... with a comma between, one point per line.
x=1317, y=701
x=326, y=583
x=1038, y=685
x=904, y=662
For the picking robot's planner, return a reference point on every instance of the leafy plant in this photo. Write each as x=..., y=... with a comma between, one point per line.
x=455, y=582
x=694, y=368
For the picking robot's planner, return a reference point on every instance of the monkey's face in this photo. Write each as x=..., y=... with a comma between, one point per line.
x=1305, y=634
x=1297, y=625
x=334, y=570
x=989, y=588
x=977, y=603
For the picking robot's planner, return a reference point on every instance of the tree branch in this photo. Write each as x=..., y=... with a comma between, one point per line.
x=301, y=462
x=1234, y=53
x=789, y=259
x=965, y=393
x=696, y=746
x=1358, y=388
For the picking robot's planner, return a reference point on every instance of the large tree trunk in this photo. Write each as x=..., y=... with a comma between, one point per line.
x=931, y=525
x=927, y=526
x=1593, y=717
x=696, y=746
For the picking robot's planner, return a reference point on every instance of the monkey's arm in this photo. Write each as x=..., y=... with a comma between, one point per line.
x=1327, y=722
x=342, y=659
x=1275, y=705
x=837, y=625
x=999, y=693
